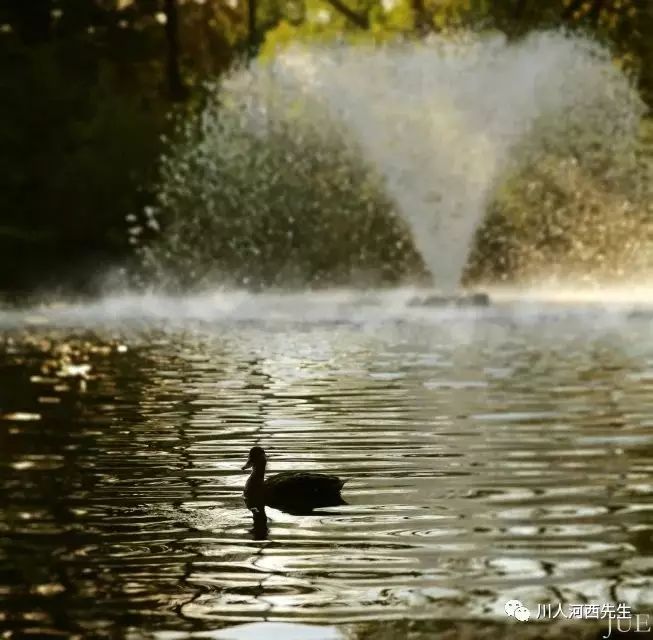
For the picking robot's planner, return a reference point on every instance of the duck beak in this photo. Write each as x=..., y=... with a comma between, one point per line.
x=248, y=464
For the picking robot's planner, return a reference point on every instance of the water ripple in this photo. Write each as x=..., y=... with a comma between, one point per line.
x=507, y=461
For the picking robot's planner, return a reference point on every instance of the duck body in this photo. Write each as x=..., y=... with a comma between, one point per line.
x=296, y=492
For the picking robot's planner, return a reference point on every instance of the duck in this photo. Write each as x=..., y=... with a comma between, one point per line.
x=295, y=492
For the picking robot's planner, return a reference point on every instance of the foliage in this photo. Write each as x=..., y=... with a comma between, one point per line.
x=78, y=143
x=558, y=218
x=74, y=157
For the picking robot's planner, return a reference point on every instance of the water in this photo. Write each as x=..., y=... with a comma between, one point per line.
x=489, y=455
x=329, y=162
x=443, y=120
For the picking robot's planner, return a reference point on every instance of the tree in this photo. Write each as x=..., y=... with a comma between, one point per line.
x=358, y=19
x=252, y=35
x=176, y=87
x=32, y=20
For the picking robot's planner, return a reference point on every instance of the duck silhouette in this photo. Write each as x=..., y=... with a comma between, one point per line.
x=295, y=492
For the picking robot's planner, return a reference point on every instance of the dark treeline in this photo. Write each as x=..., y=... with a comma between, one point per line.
x=89, y=87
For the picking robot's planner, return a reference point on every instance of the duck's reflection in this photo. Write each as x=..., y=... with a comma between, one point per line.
x=260, y=529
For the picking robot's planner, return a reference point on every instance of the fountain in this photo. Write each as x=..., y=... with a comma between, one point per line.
x=342, y=155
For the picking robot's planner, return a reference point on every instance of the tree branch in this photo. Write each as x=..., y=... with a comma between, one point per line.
x=361, y=21
x=252, y=36
x=176, y=87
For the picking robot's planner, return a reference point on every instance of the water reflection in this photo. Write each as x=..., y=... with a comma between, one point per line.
x=260, y=530
x=486, y=458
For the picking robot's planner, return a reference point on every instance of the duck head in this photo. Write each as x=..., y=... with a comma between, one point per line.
x=256, y=459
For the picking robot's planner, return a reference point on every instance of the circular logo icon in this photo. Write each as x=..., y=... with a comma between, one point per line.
x=522, y=614
x=511, y=606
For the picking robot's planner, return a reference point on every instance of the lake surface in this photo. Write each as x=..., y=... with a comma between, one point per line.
x=490, y=454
